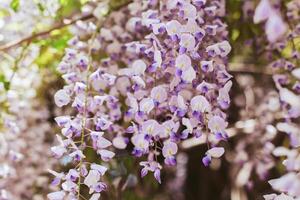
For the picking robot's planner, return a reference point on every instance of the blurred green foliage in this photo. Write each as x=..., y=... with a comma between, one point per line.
x=15, y=5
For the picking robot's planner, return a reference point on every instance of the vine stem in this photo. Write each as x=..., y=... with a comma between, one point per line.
x=85, y=101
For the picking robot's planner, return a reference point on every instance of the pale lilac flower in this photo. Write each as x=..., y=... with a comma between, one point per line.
x=58, y=177
x=62, y=120
x=102, y=143
x=158, y=28
x=168, y=151
x=77, y=155
x=105, y=154
x=103, y=123
x=200, y=104
x=95, y=196
x=183, y=62
x=188, y=75
x=192, y=27
x=187, y=122
x=140, y=143
x=60, y=195
x=69, y=186
x=153, y=167
x=92, y=178
x=173, y=27
x=58, y=151
x=151, y=127
x=263, y=11
x=287, y=183
x=282, y=196
x=133, y=103
x=181, y=103
x=199, y=2
x=167, y=128
x=275, y=27
x=204, y=87
x=137, y=68
x=146, y=105
x=101, y=169
x=217, y=124
x=216, y=152
x=207, y=66
x=187, y=42
x=224, y=98
x=189, y=11
x=119, y=142
x=206, y=160
x=61, y=98
x=224, y=48
x=139, y=81
x=159, y=94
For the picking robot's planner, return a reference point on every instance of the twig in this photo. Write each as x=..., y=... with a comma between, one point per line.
x=59, y=26
x=44, y=33
x=241, y=68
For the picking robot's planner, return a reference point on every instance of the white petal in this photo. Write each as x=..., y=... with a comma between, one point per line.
x=119, y=143
x=139, y=81
x=103, y=143
x=56, y=195
x=186, y=122
x=92, y=178
x=101, y=169
x=61, y=98
x=95, y=196
x=139, y=67
x=281, y=151
x=296, y=73
x=262, y=11
x=146, y=105
x=216, y=152
x=188, y=75
x=105, y=154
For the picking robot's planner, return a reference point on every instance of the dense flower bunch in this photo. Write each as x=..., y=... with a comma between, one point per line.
x=282, y=30
x=253, y=152
x=164, y=80
x=13, y=26
x=23, y=130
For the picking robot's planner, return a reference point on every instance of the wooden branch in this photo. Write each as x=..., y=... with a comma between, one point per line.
x=59, y=26
x=43, y=33
x=244, y=68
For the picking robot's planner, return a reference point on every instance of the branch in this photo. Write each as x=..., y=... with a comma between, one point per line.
x=242, y=68
x=113, y=7
x=43, y=33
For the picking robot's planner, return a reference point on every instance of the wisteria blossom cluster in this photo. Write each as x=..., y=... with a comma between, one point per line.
x=125, y=99
x=282, y=30
x=23, y=131
x=164, y=80
x=253, y=155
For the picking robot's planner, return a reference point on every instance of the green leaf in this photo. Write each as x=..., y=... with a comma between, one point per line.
x=41, y=7
x=4, y=81
x=14, y=4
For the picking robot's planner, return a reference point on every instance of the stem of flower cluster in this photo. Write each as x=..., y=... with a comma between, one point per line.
x=85, y=104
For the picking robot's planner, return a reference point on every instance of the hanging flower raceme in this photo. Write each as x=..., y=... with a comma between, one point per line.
x=164, y=80
x=282, y=30
x=24, y=126
x=175, y=81
x=85, y=93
